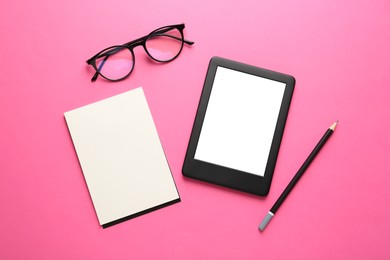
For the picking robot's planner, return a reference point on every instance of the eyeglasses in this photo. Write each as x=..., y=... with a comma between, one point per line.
x=117, y=62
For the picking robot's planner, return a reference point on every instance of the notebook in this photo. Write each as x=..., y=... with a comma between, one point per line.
x=121, y=157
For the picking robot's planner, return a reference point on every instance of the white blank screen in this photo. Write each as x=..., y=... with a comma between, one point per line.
x=240, y=121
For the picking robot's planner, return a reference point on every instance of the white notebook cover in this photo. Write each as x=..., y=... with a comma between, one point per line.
x=121, y=157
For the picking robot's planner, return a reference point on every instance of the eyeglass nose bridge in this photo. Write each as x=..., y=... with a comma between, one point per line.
x=137, y=42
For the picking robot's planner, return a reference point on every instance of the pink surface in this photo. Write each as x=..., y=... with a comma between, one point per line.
x=337, y=51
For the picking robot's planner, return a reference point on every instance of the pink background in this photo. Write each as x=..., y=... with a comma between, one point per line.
x=338, y=51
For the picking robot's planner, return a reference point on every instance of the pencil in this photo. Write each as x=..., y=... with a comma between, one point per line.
x=297, y=176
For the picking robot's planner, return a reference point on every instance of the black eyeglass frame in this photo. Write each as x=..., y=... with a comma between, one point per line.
x=137, y=42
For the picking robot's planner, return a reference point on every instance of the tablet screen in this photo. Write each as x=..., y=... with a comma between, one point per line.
x=240, y=121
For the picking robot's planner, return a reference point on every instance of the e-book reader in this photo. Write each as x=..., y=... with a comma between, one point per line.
x=238, y=126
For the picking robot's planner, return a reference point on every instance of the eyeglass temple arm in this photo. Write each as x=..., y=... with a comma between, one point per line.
x=168, y=29
x=188, y=42
x=161, y=32
x=174, y=37
x=95, y=76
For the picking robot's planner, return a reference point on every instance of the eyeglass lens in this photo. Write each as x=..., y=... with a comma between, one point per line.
x=162, y=45
x=115, y=62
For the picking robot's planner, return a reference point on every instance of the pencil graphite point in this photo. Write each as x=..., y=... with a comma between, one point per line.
x=333, y=126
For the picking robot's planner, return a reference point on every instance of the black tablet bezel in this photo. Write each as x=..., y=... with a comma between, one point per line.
x=227, y=177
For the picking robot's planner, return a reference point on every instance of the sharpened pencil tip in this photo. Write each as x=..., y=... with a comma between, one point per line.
x=333, y=126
